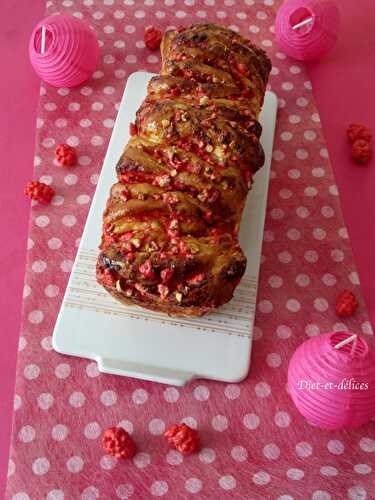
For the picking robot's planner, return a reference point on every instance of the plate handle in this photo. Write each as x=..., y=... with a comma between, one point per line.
x=143, y=372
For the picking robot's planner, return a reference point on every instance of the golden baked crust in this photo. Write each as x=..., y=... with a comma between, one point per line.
x=171, y=223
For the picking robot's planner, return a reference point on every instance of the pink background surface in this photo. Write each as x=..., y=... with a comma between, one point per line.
x=342, y=86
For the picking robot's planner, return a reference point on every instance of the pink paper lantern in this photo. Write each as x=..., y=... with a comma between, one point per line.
x=64, y=51
x=307, y=29
x=333, y=388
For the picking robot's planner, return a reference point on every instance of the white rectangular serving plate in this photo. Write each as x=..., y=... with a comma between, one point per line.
x=135, y=342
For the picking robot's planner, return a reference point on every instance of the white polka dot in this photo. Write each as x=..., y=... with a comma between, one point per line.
x=131, y=59
x=302, y=154
x=293, y=305
x=367, y=444
x=42, y=221
x=17, y=402
x=311, y=256
x=343, y=233
x=207, y=455
x=94, y=179
x=321, y=304
x=321, y=495
x=45, y=401
x=126, y=425
x=357, y=492
x=318, y=172
x=282, y=419
x=129, y=28
x=302, y=102
x=70, y=179
x=69, y=220
x=273, y=360
x=77, y=399
x=275, y=281
x=11, y=468
x=302, y=212
x=66, y=266
x=286, y=136
x=156, y=426
x=336, y=447
x=55, y=495
x=312, y=330
x=54, y=243
x=125, y=491
x=295, y=474
x=46, y=343
x=227, y=482
x=354, y=278
x=74, y=106
x=74, y=464
x=57, y=200
x=141, y=460
x=26, y=434
x=239, y=453
x=261, y=478
x=329, y=279
x=39, y=266
x=174, y=457
x=310, y=191
x=85, y=123
x=59, y=432
x=283, y=332
x=294, y=119
x=303, y=449
x=171, y=394
x=139, y=396
x=293, y=234
x=362, y=469
x=328, y=471
x=271, y=451
x=108, y=462
x=62, y=371
x=108, y=398
x=31, y=372
x=302, y=280
x=26, y=291
x=50, y=106
x=265, y=306
x=232, y=391
x=159, y=488
x=92, y=370
x=51, y=291
x=309, y=135
x=262, y=390
x=90, y=493
x=294, y=173
x=201, y=393
x=96, y=140
x=366, y=328
x=193, y=485
x=219, y=423
x=22, y=342
x=92, y=430
x=277, y=213
x=41, y=466
x=319, y=233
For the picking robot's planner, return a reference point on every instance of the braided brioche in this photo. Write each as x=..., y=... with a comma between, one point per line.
x=171, y=223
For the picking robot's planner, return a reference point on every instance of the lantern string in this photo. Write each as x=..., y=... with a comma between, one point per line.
x=302, y=23
x=352, y=338
x=43, y=43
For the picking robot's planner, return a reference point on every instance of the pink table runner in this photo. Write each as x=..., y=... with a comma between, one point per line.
x=255, y=444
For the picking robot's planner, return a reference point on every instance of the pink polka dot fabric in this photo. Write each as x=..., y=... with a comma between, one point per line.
x=255, y=445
